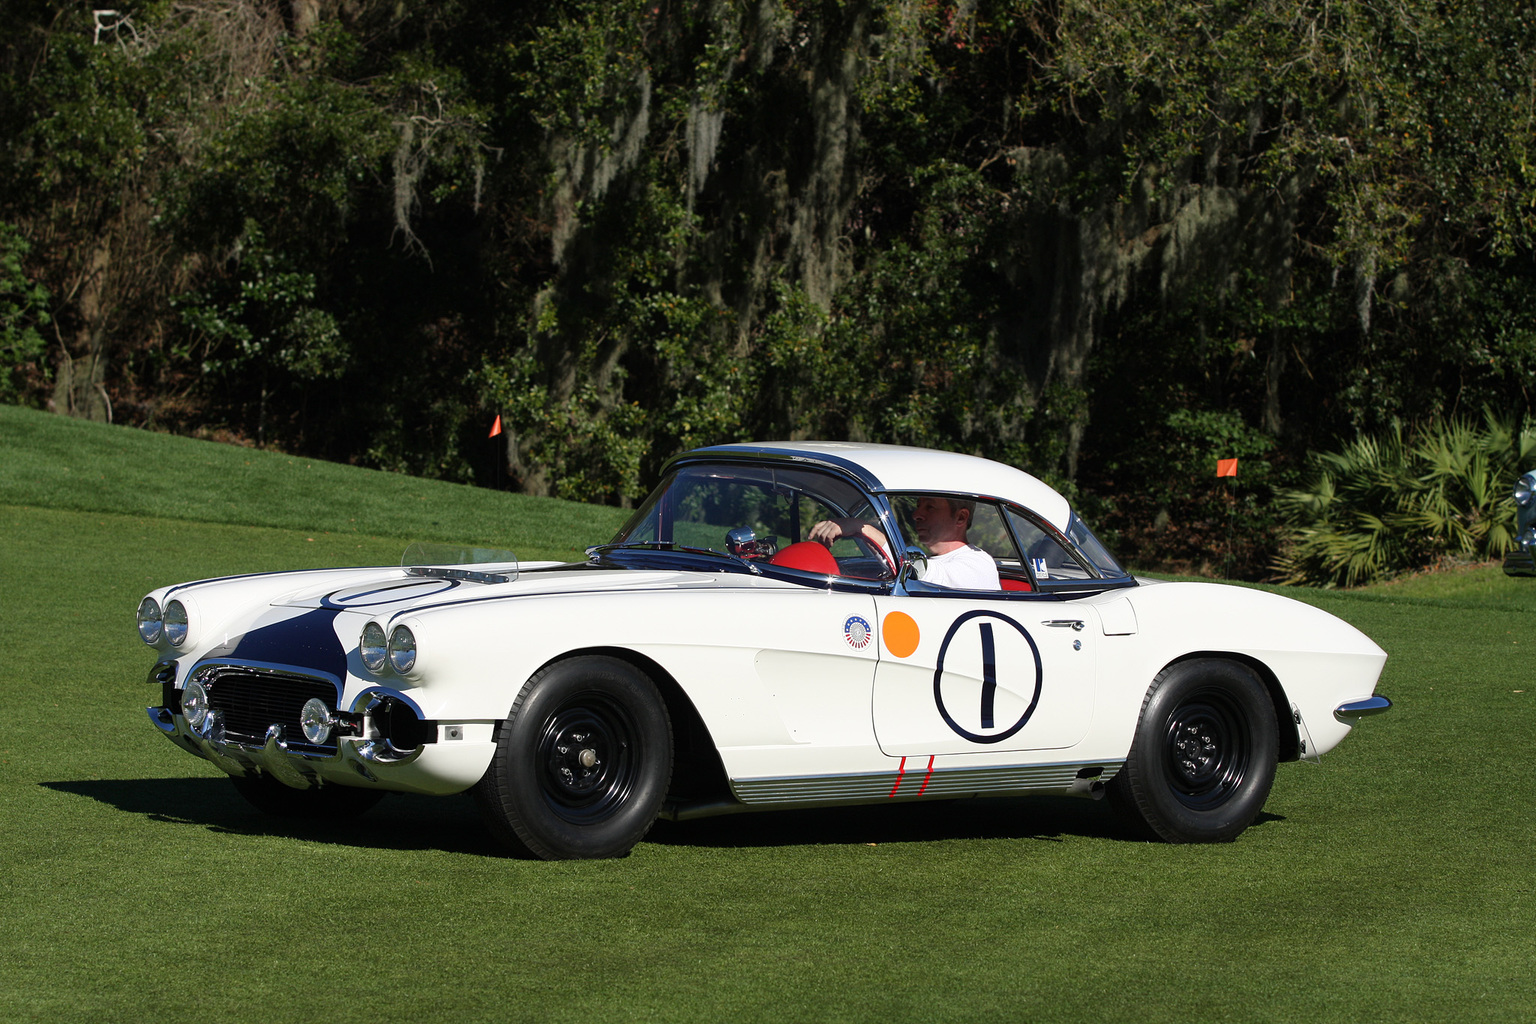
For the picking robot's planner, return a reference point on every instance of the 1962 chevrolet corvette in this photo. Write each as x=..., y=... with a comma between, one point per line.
x=779, y=625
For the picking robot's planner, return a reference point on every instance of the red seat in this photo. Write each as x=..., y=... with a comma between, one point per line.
x=1009, y=584
x=808, y=556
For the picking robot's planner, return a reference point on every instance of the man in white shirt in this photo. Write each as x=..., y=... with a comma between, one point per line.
x=942, y=525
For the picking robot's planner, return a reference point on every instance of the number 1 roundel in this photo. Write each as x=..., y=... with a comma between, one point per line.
x=994, y=629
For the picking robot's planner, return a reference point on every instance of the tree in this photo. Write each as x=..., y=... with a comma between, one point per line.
x=1071, y=235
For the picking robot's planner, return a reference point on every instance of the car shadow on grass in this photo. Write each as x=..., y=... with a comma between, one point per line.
x=1039, y=818
x=1002, y=818
x=452, y=824
x=401, y=821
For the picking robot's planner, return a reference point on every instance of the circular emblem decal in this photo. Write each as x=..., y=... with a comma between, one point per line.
x=995, y=649
x=856, y=632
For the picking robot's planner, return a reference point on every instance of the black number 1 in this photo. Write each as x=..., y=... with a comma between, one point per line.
x=988, y=674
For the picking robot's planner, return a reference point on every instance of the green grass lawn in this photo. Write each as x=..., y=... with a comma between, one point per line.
x=1394, y=882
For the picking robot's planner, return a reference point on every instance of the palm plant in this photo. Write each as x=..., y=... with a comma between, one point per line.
x=1389, y=504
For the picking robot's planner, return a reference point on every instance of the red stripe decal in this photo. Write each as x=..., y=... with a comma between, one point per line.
x=926, y=777
x=900, y=770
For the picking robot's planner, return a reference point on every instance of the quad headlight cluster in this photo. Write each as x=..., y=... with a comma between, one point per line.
x=398, y=650
x=173, y=623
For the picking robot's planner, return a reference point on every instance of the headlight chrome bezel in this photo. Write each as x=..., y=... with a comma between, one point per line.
x=373, y=647
x=177, y=623
x=1523, y=490
x=402, y=649
x=151, y=621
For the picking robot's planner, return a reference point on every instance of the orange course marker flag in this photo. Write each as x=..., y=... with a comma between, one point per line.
x=496, y=427
x=1226, y=467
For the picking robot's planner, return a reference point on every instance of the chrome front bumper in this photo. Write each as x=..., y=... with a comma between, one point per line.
x=275, y=757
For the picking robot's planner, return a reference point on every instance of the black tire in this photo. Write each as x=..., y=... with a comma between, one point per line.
x=583, y=762
x=268, y=795
x=1203, y=760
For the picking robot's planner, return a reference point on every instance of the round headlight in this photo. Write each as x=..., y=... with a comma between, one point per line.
x=402, y=649
x=150, y=621
x=373, y=647
x=1523, y=490
x=176, y=623
x=194, y=705
x=316, y=720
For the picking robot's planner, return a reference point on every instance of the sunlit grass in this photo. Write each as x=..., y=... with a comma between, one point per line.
x=54, y=462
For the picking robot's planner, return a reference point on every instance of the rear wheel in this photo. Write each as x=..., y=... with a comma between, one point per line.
x=322, y=802
x=1203, y=759
x=583, y=762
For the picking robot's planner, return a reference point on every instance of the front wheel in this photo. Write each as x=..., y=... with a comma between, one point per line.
x=1203, y=759
x=583, y=762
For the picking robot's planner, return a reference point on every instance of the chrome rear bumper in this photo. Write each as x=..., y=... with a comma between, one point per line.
x=1355, y=710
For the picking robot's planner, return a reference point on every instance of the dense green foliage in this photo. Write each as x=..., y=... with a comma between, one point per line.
x=135, y=880
x=23, y=305
x=1109, y=240
x=1399, y=502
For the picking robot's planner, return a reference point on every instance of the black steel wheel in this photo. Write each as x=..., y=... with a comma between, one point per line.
x=583, y=762
x=319, y=803
x=1203, y=759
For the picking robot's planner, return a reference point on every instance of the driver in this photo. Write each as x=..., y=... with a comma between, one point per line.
x=942, y=525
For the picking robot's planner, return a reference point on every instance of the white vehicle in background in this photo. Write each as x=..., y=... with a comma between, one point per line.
x=715, y=658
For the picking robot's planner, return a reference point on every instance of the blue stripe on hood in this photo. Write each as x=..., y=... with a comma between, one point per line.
x=307, y=641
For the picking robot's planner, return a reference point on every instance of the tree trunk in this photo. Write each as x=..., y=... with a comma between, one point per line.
x=80, y=382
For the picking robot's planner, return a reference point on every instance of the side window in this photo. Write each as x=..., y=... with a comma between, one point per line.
x=986, y=525
x=1048, y=558
x=988, y=533
x=924, y=519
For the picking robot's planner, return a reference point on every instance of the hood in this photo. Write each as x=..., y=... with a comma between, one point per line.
x=393, y=591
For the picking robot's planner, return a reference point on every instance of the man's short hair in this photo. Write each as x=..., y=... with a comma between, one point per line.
x=958, y=505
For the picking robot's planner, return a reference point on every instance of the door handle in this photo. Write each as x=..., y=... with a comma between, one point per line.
x=1076, y=625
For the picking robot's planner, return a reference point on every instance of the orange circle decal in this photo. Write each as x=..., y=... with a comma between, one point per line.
x=900, y=633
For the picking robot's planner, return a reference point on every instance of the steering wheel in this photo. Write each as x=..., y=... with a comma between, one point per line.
x=885, y=556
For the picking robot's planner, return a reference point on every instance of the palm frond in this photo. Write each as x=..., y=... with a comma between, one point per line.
x=1401, y=500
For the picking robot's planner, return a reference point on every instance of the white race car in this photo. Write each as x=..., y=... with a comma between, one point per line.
x=779, y=625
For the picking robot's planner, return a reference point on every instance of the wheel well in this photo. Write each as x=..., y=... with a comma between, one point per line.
x=1289, y=739
x=697, y=771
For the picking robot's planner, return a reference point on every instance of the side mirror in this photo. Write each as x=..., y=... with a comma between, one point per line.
x=916, y=564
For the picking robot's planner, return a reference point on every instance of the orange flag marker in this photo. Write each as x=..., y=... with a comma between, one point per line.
x=1226, y=467
x=496, y=427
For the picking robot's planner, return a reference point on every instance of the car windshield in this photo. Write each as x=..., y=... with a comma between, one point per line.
x=1093, y=549
x=721, y=507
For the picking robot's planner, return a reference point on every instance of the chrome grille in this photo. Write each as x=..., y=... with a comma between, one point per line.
x=252, y=700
